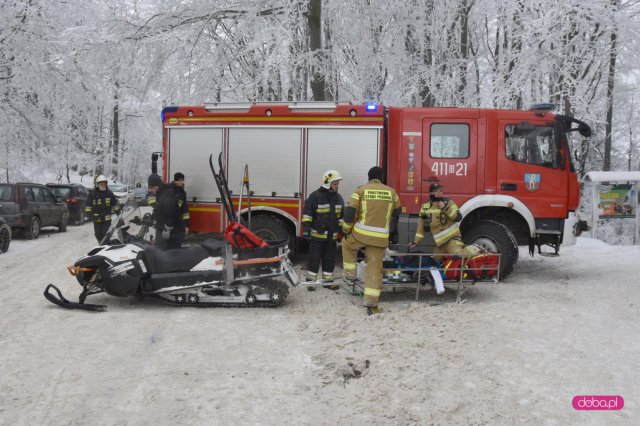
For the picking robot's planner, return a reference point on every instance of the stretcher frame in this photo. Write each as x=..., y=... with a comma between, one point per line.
x=461, y=284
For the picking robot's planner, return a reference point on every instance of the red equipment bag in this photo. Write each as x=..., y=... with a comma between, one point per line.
x=485, y=265
x=242, y=238
x=480, y=266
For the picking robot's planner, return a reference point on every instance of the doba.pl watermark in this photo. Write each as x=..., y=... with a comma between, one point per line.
x=598, y=402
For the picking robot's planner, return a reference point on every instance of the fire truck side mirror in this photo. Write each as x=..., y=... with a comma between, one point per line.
x=154, y=162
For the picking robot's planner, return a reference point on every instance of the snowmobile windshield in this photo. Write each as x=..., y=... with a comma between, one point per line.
x=133, y=222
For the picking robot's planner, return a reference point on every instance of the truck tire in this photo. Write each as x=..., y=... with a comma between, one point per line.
x=270, y=228
x=496, y=238
x=32, y=232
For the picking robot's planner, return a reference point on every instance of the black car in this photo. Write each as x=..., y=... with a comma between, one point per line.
x=27, y=207
x=5, y=236
x=75, y=195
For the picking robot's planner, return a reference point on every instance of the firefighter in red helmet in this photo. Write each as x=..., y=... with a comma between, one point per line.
x=441, y=216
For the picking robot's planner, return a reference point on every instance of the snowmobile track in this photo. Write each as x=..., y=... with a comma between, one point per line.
x=277, y=287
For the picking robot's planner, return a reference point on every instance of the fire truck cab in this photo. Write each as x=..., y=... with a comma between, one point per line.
x=510, y=172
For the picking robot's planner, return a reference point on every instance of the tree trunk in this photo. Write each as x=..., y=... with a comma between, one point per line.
x=610, y=86
x=465, y=9
x=116, y=135
x=315, y=46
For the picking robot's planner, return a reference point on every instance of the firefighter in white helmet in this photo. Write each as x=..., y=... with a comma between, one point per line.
x=321, y=224
x=369, y=220
x=101, y=204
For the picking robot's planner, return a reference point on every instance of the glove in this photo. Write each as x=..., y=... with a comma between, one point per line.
x=393, y=238
x=305, y=234
x=340, y=236
x=166, y=232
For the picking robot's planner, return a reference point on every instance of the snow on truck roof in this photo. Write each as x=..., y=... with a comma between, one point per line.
x=612, y=176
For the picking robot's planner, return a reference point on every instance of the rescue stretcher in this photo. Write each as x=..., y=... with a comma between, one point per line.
x=420, y=271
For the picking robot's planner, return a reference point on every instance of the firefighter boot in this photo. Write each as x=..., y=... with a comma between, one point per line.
x=372, y=310
x=328, y=282
x=312, y=278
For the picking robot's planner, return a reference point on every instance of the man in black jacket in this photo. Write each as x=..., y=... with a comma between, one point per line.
x=101, y=204
x=171, y=213
x=322, y=223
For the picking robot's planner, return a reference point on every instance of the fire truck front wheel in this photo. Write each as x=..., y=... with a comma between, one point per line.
x=270, y=228
x=496, y=238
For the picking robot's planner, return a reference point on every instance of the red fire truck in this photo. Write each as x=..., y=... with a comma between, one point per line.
x=509, y=171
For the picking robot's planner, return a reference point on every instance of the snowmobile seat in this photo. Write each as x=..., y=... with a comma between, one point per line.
x=174, y=260
x=214, y=247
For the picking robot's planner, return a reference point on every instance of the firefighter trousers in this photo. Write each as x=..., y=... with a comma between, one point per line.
x=100, y=230
x=175, y=239
x=321, y=252
x=455, y=246
x=373, y=273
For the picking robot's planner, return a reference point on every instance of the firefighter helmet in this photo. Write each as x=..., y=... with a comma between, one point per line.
x=154, y=180
x=435, y=187
x=329, y=177
x=101, y=178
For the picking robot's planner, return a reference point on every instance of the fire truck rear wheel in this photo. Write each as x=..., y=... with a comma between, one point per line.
x=496, y=238
x=269, y=228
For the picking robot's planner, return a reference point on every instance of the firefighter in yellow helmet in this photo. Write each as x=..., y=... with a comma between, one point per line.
x=369, y=219
x=322, y=223
x=440, y=216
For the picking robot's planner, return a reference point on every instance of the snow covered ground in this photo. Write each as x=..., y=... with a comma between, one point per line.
x=515, y=353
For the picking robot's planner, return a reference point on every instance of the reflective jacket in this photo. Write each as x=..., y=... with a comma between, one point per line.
x=442, y=223
x=101, y=205
x=372, y=214
x=170, y=207
x=322, y=215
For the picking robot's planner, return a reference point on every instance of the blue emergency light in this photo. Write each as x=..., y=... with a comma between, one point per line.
x=371, y=107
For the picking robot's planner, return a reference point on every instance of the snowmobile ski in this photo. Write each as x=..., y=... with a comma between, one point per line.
x=61, y=301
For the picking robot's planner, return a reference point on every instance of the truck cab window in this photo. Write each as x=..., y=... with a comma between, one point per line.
x=532, y=144
x=449, y=141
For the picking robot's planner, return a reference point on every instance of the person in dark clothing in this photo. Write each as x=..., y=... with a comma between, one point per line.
x=171, y=213
x=322, y=223
x=101, y=204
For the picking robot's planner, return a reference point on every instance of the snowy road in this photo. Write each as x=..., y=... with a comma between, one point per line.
x=514, y=353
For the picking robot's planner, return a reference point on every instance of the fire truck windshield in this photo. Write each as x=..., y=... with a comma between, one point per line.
x=532, y=144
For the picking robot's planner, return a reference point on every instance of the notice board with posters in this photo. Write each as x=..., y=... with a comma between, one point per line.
x=617, y=201
x=615, y=206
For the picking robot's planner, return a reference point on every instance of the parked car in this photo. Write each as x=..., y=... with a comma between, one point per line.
x=121, y=192
x=75, y=195
x=5, y=236
x=27, y=207
x=140, y=196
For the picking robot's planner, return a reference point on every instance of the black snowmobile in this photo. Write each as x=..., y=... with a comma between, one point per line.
x=213, y=273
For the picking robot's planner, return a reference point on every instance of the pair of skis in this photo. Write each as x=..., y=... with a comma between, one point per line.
x=225, y=194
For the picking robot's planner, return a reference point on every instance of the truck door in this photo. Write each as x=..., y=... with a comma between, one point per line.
x=530, y=168
x=450, y=153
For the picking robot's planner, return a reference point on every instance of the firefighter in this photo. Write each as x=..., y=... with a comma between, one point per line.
x=369, y=220
x=154, y=182
x=171, y=213
x=101, y=204
x=440, y=216
x=322, y=223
